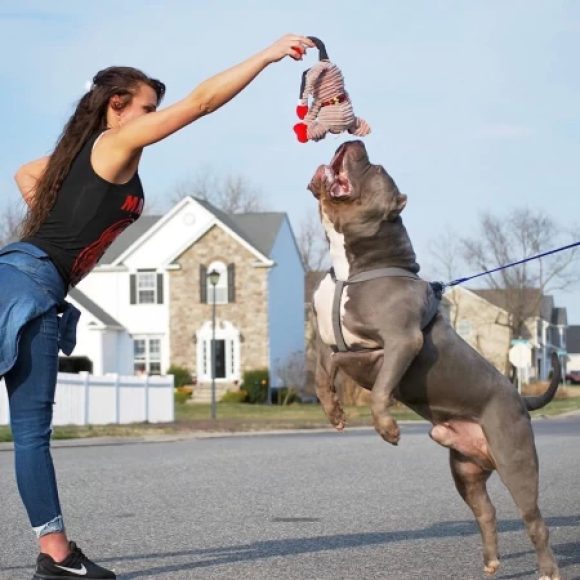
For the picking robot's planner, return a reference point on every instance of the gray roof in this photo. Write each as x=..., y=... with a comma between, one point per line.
x=91, y=307
x=261, y=229
x=560, y=316
x=573, y=339
x=258, y=229
x=128, y=237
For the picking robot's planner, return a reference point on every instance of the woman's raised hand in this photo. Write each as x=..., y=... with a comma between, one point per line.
x=292, y=45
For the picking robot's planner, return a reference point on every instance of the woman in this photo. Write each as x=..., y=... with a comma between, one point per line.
x=80, y=199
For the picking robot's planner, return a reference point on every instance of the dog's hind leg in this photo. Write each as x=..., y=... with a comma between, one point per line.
x=470, y=479
x=514, y=453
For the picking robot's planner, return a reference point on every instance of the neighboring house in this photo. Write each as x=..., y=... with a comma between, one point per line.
x=573, y=344
x=545, y=328
x=152, y=283
x=481, y=323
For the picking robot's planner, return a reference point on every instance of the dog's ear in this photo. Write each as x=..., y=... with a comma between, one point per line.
x=399, y=203
x=317, y=183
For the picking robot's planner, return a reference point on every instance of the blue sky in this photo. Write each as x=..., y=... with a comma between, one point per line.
x=475, y=106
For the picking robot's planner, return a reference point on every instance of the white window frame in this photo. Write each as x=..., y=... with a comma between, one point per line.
x=140, y=276
x=150, y=359
x=221, y=288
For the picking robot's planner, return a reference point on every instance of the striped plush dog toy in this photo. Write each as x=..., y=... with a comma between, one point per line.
x=331, y=110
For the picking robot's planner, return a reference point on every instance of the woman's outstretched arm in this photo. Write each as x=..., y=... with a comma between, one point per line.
x=209, y=96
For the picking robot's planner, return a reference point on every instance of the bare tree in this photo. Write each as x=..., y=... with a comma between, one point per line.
x=313, y=245
x=231, y=193
x=446, y=251
x=504, y=240
x=292, y=373
x=10, y=221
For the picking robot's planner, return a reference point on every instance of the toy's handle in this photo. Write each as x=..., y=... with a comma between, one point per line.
x=322, y=54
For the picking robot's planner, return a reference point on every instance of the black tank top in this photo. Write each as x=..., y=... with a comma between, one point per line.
x=88, y=215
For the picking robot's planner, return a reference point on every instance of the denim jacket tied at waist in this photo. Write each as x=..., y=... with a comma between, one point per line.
x=30, y=286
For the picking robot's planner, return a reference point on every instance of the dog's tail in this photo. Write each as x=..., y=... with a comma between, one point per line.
x=533, y=403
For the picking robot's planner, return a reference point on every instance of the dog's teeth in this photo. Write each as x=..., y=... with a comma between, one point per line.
x=329, y=174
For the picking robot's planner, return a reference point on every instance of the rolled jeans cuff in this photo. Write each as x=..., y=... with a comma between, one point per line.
x=55, y=525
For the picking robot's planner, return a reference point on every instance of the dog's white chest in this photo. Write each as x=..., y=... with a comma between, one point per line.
x=337, y=249
x=323, y=303
x=324, y=295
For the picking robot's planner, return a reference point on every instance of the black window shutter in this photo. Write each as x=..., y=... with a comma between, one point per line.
x=231, y=282
x=159, y=288
x=202, y=284
x=132, y=289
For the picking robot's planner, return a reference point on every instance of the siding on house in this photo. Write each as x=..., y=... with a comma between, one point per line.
x=286, y=293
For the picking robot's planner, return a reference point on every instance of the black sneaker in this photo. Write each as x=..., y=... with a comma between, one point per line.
x=75, y=565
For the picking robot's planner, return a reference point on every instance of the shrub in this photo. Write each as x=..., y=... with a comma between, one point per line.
x=255, y=383
x=181, y=397
x=181, y=375
x=234, y=396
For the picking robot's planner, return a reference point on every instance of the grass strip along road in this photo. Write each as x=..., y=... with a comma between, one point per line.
x=240, y=417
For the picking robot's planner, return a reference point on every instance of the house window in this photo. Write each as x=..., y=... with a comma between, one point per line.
x=147, y=356
x=225, y=289
x=221, y=288
x=146, y=287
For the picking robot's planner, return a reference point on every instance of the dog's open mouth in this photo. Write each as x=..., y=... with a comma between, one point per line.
x=333, y=178
x=341, y=186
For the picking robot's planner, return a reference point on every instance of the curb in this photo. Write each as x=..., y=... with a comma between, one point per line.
x=173, y=438
x=188, y=436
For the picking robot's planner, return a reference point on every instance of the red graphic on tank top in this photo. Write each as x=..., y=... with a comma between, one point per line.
x=133, y=204
x=89, y=257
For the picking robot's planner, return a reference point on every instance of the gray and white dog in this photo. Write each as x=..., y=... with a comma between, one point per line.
x=383, y=329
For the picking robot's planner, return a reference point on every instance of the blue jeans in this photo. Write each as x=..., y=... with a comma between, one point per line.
x=31, y=385
x=32, y=292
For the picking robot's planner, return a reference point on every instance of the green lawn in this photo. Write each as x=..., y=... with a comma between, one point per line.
x=233, y=417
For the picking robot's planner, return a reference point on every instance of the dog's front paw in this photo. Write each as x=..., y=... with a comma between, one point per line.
x=387, y=428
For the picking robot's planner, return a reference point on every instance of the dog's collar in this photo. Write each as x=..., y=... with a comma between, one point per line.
x=335, y=100
x=373, y=274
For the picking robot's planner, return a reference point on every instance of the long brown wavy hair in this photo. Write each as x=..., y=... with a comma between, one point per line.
x=89, y=117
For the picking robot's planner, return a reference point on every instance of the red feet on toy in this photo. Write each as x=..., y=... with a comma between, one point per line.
x=301, y=111
x=301, y=130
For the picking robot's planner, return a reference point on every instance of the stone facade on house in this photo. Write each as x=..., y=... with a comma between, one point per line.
x=248, y=312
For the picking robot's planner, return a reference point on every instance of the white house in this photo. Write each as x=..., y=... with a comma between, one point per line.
x=147, y=304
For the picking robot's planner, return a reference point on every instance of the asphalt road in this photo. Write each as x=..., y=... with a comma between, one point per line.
x=293, y=506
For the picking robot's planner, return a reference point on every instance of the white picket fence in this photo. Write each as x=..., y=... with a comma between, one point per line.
x=84, y=399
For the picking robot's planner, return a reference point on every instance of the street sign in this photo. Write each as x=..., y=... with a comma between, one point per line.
x=520, y=355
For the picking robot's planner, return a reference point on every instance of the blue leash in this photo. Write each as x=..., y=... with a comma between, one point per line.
x=462, y=280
